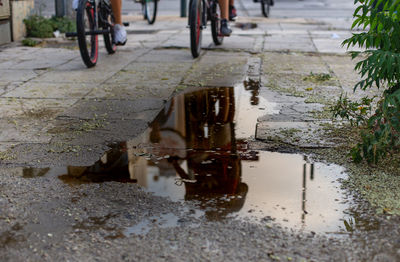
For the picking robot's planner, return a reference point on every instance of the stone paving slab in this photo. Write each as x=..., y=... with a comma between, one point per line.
x=218, y=69
x=4, y=146
x=45, y=108
x=289, y=42
x=103, y=110
x=80, y=76
x=175, y=66
x=333, y=46
x=51, y=90
x=153, y=78
x=33, y=108
x=123, y=90
x=45, y=58
x=23, y=130
x=6, y=63
x=182, y=40
x=10, y=107
x=294, y=63
x=49, y=154
x=8, y=75
x=297, y=134
x=237, y=43
x=166, y=56
x=17, y=53
x=8, y=86
x=295, y=111
x=78, y=132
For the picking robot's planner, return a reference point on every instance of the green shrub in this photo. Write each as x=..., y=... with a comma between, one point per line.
x=380, y=68
x=63, y=24
x=39, y=26
x=29, y=42
x=356, y=112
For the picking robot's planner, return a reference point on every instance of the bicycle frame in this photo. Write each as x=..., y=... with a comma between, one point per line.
x=99, y=19
x=105, y=9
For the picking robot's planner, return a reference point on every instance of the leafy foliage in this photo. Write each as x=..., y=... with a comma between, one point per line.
x=42, y=27
x=38, y=26
x=29, y=42
x=355, y=112
x=63, y=24
x=321, y=77
x=380, y=67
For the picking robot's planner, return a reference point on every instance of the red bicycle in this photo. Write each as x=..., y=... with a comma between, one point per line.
x=94, y=18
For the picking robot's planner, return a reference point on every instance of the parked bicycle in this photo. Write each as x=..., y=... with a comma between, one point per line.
x=149, y=10
x=93, y=18
x=200, y=12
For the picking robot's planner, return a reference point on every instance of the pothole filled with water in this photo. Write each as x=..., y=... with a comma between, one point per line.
x=197, y=150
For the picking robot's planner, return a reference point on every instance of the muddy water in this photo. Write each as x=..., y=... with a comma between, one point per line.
x=197, y=150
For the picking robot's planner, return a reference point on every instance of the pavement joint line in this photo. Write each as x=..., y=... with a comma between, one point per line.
x=312, y=40
x=37, y=98
x=305, y=52
x=331, y=71
x=242, y=7
x=144, y=52
x=170, y=36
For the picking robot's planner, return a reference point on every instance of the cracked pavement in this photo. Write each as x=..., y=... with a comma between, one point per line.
x=55, y=112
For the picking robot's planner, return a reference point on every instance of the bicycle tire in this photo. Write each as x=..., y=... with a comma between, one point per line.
x=107, y=23
x=87, y=9
x=265, y=7
x=195, y=21
x=150, y=8
x=216, y=24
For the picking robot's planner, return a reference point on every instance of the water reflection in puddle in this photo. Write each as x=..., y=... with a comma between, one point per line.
x=197, y=150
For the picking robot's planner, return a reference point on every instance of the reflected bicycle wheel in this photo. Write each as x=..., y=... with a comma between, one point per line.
x=86, y=22
x=150, y=7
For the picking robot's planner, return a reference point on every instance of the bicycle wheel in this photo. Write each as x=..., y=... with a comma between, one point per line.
x=85, y=23
x=150, y=8
x=216, y=24
x=265, y=6
x=195, y=21
x=106, y=22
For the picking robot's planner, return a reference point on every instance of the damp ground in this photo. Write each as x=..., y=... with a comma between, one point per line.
x=198, y=150
x=55, y=206
x=191, y=187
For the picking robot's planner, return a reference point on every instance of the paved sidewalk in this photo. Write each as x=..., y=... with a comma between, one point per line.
x=54, y=112
x=42, y=88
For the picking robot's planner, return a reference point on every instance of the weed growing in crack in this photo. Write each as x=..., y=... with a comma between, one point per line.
x=356, y=112
x=321, y=77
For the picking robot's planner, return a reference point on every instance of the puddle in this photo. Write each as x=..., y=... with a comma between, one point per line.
x=197, y=150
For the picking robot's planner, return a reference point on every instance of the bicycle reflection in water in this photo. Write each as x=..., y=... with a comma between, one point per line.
x=193, y=139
